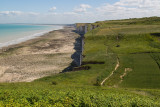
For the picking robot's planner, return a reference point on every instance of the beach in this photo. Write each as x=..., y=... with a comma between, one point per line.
x=39, y=57
x=16, y=33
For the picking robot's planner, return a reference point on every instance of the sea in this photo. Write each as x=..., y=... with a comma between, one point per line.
x=16, y=33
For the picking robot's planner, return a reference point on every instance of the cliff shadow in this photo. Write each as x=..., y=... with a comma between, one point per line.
x=77, y=55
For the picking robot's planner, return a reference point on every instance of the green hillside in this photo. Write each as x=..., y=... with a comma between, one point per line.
x=125, y=51
x=136, y=46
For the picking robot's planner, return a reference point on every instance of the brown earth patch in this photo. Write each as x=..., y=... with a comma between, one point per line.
x=125, y=73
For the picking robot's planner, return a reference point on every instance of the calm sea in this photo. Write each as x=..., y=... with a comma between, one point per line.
x=16, y=33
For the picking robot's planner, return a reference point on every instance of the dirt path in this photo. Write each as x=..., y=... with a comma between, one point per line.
x=116, y=67
x=127, y=70
x=36, y=58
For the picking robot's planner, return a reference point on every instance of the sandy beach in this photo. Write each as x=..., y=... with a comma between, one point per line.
x=43, y=56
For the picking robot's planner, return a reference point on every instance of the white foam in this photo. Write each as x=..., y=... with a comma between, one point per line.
x=19, y=40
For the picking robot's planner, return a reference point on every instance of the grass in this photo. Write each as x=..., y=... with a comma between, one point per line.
x=135, y=42
x=45, y=94
x=145, y=73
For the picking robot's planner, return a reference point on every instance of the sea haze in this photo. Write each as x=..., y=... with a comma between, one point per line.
x=15, y=33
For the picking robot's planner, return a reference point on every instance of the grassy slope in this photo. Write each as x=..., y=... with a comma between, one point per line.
x=145, y=72
x=78, y=88
x=136, y=41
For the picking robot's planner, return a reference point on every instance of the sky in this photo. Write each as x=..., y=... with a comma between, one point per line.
x=75, y=11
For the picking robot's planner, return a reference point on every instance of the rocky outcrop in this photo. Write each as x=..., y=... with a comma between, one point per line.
x=93, y=26
x=81, y=28
x=84, y=28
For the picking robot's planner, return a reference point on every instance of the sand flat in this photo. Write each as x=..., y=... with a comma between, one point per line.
x=39, y=57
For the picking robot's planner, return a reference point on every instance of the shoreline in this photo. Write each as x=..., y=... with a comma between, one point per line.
x=27, y=37
x=42, y=56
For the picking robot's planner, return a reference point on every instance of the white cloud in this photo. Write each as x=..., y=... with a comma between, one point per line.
x=82, y=13
x=82, y=8
x=33, y=13
x=52, y=9
x=70, y=13
x=10, y=12
x=17, y=13
x=130, y=9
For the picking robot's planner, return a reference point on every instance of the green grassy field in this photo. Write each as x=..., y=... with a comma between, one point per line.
x=137, y=45
x=135, y=83
x=145, y=73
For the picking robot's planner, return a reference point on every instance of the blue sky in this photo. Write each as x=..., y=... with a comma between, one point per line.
x=72, y=11
x=43, y=5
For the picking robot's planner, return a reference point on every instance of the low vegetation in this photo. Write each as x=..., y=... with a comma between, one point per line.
x=136, y=43
x=135, y=83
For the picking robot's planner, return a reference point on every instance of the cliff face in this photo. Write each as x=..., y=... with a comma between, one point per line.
x=83, y=28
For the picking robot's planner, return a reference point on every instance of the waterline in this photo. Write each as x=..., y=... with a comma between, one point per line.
x=18, y=37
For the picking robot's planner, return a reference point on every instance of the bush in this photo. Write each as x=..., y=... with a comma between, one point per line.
x=54, y=83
